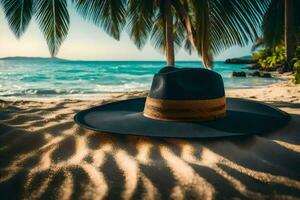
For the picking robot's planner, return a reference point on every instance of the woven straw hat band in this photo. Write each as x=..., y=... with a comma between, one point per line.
x=185, y=110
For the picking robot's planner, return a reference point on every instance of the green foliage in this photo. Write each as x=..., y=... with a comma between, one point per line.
x=106, y=14
x=53, y=19
x=297, y=72
x=267, y=58
x=18, y=14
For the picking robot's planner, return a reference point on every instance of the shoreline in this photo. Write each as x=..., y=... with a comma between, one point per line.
x=283, y=84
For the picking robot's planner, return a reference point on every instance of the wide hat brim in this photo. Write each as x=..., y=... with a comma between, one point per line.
x=243, y=117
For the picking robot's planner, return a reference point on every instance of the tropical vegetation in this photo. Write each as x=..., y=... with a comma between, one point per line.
x=281, y=26
x=272, y=59
x=269, y=58
x=205, y=26
x=280, y=37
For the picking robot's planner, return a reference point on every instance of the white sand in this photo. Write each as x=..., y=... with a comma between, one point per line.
x=44, y=154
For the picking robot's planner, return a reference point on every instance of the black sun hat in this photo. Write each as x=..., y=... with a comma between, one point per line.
x=184, y=103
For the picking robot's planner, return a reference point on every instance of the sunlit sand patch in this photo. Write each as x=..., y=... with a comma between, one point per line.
x=14, y=167
x=98, y=157
x=177, y=193
x=44, y=163
x=81, y=152
x=143, y=147
x=151, y=192
x=130, y=169
x=207, y=157
x=238, y=185
x=98, y=187
x=243, y=189
x=186, y=176
x=210, y=159
x=66, y=189
x=40, y=190
x=289, y=146
x=262, y=176
x=54, y=128
x=187, y=150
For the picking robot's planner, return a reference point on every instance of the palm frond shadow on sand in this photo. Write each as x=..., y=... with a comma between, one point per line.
x=47, y=156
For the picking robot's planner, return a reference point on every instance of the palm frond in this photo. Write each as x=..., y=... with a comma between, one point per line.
x=220, y=24
x=53, y=19
x=158, y=36
x=107, y=14
x=183, y=15
x=140, y=21
x=18, y=14
x=202, y=26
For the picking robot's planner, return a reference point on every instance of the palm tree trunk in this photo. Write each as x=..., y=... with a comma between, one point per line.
x=169, y=48
x=289, y=31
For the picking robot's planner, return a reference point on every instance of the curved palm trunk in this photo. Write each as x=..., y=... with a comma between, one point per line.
x=289, y=32
x=169, y=48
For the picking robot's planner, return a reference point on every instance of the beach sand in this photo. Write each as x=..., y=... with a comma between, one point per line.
x=45, y=155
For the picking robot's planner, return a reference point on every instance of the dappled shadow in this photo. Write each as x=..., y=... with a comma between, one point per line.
x=53, y=158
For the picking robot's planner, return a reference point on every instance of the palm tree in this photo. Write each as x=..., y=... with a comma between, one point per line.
x=282, y=23
x=53, y=18
x=207, y=26
x=289, y=33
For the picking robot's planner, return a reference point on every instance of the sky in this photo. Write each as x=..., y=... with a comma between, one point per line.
x=86, y=41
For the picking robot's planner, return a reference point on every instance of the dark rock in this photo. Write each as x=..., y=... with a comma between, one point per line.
x=238, y=74
x=239, y=61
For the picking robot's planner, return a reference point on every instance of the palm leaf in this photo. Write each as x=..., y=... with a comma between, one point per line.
x=18, y=14
x=107, y=14
x=53, y=19
x=182, y=10
x=220, y=24
x=140, y=21
x=202, y=26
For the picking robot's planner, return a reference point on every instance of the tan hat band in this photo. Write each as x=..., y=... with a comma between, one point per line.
x=186, y=110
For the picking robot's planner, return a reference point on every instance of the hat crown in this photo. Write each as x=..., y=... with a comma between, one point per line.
x=186, y=94
x=186, y=84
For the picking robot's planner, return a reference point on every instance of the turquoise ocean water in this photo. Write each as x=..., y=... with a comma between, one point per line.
x=38, y=78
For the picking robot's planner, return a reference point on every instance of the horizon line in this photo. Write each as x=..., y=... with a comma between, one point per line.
x=61, y=58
